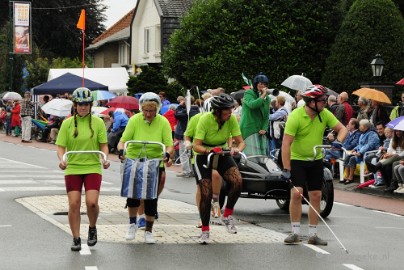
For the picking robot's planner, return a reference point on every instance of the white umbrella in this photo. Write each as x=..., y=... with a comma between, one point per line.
x=288, y=98
x=102, y=95
x=58, y=107
x=12, y=96
x=297, y=82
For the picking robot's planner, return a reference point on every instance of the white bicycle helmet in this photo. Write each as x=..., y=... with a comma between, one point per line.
x=150, y=96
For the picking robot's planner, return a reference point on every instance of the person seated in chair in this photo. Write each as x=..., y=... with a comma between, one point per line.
x=368, y=141
x=54, y=122
x=350, y=142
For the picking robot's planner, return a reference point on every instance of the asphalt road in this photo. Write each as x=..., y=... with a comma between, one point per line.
x=30, y=240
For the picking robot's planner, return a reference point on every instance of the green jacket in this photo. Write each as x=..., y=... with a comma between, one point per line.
x=255, y=113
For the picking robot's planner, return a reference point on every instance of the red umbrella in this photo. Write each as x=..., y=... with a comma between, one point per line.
x=366, y=184
x=400, y=82
x=110, y=109
x=126, y=102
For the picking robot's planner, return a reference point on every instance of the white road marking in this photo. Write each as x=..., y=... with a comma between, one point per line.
x=5, y=226
x=10, y=182
x=394, y=228
x=30, y=176
x=91, y=268
x=386, y=213
x=352, y=266
x=317, y=249
x=85, y=250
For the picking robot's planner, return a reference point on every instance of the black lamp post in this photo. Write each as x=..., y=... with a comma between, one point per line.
x=377, y=65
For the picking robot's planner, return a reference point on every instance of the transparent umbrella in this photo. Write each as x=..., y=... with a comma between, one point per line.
x=12, y=96
x=297, y=82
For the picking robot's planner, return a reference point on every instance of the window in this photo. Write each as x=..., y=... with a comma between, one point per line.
x=146, y=40
x=157, y=39
x=123, y=54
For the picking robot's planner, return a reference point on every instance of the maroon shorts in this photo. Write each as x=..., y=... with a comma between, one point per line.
x=91, y=181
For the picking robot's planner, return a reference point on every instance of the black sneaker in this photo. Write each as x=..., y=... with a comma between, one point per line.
x=92, y=237
x=76, y=246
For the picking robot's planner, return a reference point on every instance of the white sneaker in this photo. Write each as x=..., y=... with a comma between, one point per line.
x=149, y=238
x=400, y=191
x=131, y=233
x=400, y=187
x=204, y=238
x=229, y=223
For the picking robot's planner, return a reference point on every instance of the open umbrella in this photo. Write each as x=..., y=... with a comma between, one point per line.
x=397, y=123
x=12, y=96
x=102, y=95
x=372, y=94
x=58, y=106
x=331, y=92
x=297, y=82
x=238, y=94
x=126, y=102
x=400, y=82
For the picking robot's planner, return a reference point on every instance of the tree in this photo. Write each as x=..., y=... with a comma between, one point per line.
x=218, y=40
x=149, y=80
x=370, y=27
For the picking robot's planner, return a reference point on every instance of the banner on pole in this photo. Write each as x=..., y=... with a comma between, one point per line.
x=22, y=28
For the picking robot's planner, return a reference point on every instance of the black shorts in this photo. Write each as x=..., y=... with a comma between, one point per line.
x=307, y=173
x=224, y=163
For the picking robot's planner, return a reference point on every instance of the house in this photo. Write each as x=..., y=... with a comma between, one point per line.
x=112, y=48
x=153, y=23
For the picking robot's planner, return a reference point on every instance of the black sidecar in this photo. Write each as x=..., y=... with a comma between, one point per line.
x=261, y=180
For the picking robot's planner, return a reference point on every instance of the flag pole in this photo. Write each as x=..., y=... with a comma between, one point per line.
x=81, y=24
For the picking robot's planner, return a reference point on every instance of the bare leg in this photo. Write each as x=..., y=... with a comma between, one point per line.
x=93, y=208
x=295, y=206
x=74, y=198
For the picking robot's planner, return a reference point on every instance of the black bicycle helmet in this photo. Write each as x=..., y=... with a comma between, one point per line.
x=223, y=101
x=260, y=78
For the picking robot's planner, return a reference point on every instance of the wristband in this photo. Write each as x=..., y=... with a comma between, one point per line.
x=187, y=143
x=167, y=155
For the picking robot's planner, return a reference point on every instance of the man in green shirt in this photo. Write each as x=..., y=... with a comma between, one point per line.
x=304, y=129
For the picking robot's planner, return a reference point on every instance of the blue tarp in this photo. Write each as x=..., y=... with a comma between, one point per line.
x=66, y=83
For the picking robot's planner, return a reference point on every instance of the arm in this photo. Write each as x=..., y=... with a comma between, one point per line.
x=342, y=131
x=104, y=149
x=60, y=152
x=199, y=148
x=286, y=143
x=240, y=145
x=251, y=101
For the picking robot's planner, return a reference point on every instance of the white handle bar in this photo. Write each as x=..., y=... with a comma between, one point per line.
x=163, y=147
x=104, y=157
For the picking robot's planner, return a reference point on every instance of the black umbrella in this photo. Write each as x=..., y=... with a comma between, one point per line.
x=238, y=94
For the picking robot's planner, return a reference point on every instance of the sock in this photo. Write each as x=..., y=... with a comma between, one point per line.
x=215, y=197
x=228, y=212
x=205, y=228
x=149, y=226
x=296, y=227
x=312, y=230
x=132, y=220
x=141, y=216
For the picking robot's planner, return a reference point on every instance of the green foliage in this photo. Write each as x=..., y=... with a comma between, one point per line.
x=219, y=40
x=370, y=27
x=149, y=80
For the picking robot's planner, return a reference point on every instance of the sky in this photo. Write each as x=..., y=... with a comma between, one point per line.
x=116, y=9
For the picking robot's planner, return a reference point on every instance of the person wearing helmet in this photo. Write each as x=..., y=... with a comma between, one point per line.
x=255, y=117
x=212, y=134
x=82, y=132
x=148, y=125
x=304, y=129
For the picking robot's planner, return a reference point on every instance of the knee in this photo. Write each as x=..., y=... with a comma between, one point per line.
x=295, y=195
x=91, y=204
x=315, y=196
x=75, y=205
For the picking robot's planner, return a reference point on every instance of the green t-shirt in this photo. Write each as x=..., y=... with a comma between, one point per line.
x=307, y=133
x=208, y=130
x=159, y=130
x=82, y=163
x=191, y=127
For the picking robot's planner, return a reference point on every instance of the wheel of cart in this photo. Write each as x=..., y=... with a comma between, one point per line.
x=140, y=175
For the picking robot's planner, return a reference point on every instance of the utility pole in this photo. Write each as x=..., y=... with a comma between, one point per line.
x=11, y=51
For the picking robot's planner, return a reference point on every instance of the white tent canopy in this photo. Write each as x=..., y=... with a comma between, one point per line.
x=114, y=78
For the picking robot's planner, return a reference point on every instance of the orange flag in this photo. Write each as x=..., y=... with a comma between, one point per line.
x=81, y=24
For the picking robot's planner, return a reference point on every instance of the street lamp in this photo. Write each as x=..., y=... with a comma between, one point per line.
x=377, y=65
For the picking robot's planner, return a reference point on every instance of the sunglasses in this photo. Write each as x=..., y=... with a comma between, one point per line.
x=84, y=104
